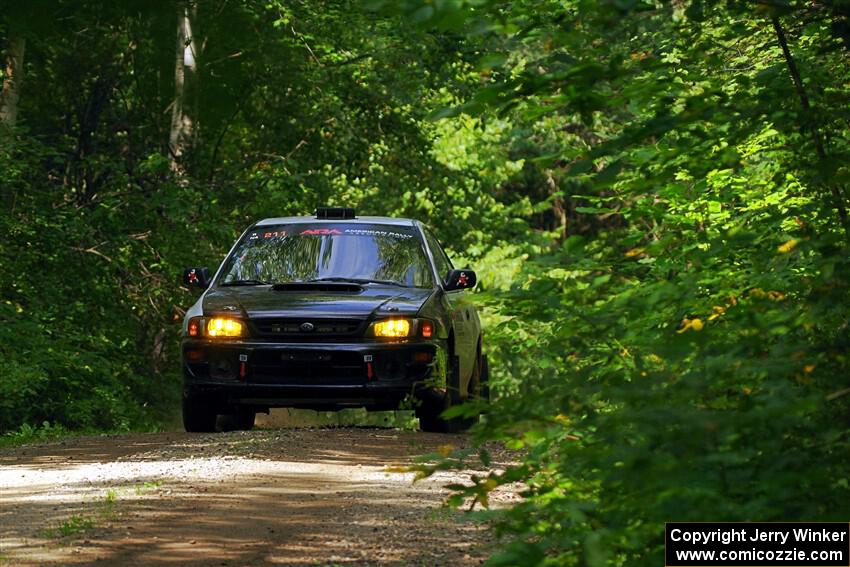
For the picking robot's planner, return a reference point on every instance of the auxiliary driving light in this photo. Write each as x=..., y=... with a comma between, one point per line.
x=392, y=328
x=224, y=327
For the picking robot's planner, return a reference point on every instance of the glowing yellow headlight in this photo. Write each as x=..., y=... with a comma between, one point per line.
x=392, y=328
x=222, y=327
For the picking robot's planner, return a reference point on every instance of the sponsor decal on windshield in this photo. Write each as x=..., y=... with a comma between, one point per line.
x=332, y=232
x=270, y=234
x=372, y=232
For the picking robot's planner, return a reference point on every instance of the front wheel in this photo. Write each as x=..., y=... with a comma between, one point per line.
x=433, y=404
x=429, y=413
x=241, y=419
x=198, y=416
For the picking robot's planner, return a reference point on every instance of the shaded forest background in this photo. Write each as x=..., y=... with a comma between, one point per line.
x=654, y=196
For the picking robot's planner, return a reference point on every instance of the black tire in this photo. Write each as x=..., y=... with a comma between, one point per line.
x=433, y=404
x=428, y=412
x=244, y=419
x=482, y=387
x=240, y=419
x=198, y=415
x=479, y=387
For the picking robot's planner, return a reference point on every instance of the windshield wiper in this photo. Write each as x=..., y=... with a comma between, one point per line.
x=245, y=282
x=358, y=280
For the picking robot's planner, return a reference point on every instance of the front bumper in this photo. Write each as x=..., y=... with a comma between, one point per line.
x=327, y=375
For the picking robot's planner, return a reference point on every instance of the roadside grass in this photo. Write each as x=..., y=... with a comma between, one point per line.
x=26, y=434
x=47, y=432
x=73, y=526
x=146, y=487
x=104, y=512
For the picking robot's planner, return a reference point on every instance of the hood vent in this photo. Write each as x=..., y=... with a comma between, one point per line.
x=330, y=287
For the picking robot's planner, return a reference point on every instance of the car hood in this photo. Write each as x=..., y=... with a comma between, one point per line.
x=264, y=301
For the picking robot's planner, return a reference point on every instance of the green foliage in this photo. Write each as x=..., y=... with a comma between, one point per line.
x=28, y=434
x=79, y=524
x=650, y=192
x=679, y=353
x=322, y=107
x=72, y=527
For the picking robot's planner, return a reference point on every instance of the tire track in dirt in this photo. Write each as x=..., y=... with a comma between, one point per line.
x=265, y=497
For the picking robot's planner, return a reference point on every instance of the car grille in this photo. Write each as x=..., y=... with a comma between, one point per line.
x=306, y=328
x=307, y=367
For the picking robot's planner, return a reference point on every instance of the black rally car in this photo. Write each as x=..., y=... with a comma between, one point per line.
x=329, y=312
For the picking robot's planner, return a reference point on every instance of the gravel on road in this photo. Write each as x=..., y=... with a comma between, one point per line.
x=265, y=497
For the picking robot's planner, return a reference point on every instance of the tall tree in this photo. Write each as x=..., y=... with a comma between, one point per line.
x=13, y=76
x=183, y=113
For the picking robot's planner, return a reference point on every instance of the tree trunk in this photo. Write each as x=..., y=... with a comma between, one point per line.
x=809, y=123
x=185, y=84
x=14, y=74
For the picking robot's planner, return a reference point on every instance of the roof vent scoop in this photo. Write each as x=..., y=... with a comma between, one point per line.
x=334, y=213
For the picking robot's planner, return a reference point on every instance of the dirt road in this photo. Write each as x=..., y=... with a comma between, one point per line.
x=281, y=497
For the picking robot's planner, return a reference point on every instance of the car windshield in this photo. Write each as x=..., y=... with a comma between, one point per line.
x=340, y=252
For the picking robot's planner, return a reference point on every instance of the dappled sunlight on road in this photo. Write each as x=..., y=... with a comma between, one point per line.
x=289, y=498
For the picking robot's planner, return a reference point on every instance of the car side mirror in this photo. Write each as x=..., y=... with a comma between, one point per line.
x=460, y=279
x=197, y=277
